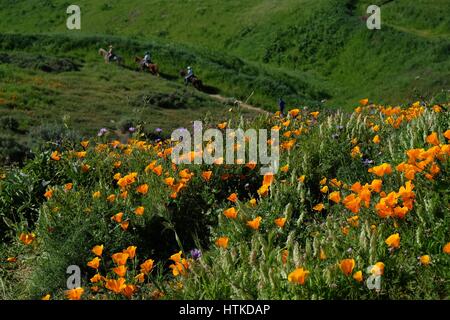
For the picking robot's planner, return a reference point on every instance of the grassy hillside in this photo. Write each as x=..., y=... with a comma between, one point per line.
x=53, y=82
x=328, y=39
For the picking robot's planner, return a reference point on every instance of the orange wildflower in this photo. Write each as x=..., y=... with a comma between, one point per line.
x=230, y=213
x=254, y=224
x=298, y=276
x=347, y=266
x=222, y=242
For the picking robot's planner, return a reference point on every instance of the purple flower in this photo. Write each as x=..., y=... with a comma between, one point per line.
x=158, y=130
x=367, y=162
x=102, y=132
x=196, y=254
x=132, y=129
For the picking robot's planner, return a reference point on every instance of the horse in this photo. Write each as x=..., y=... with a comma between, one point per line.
x=152, y=67
x=115, y=57
x=196, y=82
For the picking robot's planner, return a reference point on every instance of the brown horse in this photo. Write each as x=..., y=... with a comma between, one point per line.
x=115, y=58
x=152, y=67
x=196, y=82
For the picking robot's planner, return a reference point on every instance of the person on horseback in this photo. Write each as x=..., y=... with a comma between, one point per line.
x=189, y=76
x=111, y=54
x=147, y=59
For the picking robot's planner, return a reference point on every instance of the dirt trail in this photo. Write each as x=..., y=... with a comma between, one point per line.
x=240, y=103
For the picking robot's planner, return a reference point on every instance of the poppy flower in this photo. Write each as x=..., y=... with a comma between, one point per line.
x=124, y=225
x=376, y=139
x=433, y=139
x=263, y=190
x=335, y=196
x=285, y=168
x=280, y=222
x=68, y=186
x=268, y=179
x=94, y=263
x=294, y=112
x=323, y=181
x=115, y=285
x=117, y=217
x=158, y=170
x=96, y=195
x=27, y=238
x=358, y=276
x=301, y=178
x=176, y=257
x=446, y=248
x=232, y=197
x=364, y=102
x=222, y=125
x=230, y=213
x=56, y=156
x=393, y=241
x=298, y=276
x=139, y=211
x=425, y=260
x=120, y=258
x=97, y=250
x=324, y=189
x=131, y=250
x=48, y=194
x=252, y=202
x=96, y=278
x=447, y=134
x=142, y=189
x=222, y=242
x=254, y=224
x=85, y=168
x=74, y=294
x=121, y=271
x=206, y=175
x=319, y=207
x=84, y=144
x=129, y=290
x=315, y=114
x=169, y=181
x=140, y=277
x=11, y=259
x=347, y=266
x=376, y=185
x=46, y=297
x=378, y=269
x=147, y=266
x=381, y=170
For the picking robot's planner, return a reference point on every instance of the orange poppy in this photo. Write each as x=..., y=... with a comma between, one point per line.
x=230, y=213
x=298, y=276
x=120, y=258
x=94, y=263
x=222, y=242
x=139, y=211
x=280, y=222
x=115, y=285
x=74, y=294
x=347, y=266
x=254, y=224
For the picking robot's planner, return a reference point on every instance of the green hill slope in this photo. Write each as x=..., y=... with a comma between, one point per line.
x=328, y=39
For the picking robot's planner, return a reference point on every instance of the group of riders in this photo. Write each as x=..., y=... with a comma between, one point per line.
x=147, y=61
